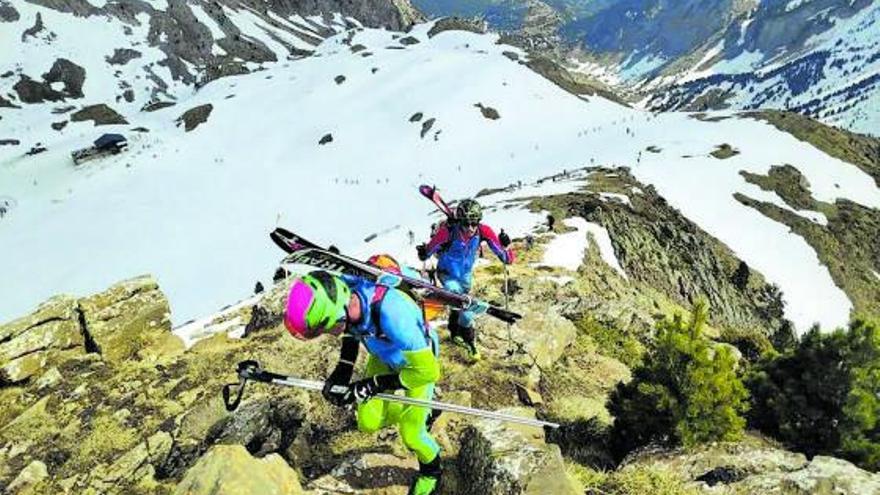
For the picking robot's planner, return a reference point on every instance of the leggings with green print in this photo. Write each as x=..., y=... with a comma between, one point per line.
x=374, y=414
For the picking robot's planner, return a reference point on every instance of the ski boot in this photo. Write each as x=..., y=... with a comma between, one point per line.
x=427, y=482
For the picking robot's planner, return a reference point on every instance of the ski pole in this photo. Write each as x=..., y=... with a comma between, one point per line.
x=250, y=370
x=510, y=350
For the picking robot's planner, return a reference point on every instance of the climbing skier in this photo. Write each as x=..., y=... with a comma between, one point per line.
x=402, y=348
x=457, y=243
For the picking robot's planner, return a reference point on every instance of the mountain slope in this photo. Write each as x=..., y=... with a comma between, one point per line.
x=194, y=207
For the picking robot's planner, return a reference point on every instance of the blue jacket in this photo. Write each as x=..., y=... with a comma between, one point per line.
x=401, y=330
x=458, y=252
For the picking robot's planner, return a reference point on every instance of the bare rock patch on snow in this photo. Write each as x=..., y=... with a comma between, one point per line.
x=325, y=139
x=100, y=114
x=122, y=56
x=488, y=112
x=427, y=125
x=457, y=24
x=724, y=151
x=195, y=117
x=8, y=12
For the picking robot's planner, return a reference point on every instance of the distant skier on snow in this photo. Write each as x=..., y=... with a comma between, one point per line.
x=457, y=243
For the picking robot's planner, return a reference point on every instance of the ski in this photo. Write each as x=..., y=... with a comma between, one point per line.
x=250, y=370
x=431, y=193
x=304, y=252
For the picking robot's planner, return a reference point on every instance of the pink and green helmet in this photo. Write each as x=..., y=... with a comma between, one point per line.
x=315, y=305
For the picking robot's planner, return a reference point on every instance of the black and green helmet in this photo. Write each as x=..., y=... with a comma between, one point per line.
x=469, y=212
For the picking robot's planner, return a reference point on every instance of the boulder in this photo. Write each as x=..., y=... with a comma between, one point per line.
x=474, y=25
x=8, y=12
x=230, y=469
x=543, y=337
x=29, y=476
x=122, y=56
x=135, y=466
x=823, y=475
x=130, y=320
x=32, y=342
x=499, y=458
x=195, y=117
x=757, y=466
x=370, y=472
x=68, y=73
x=30, y=91
x=100, y=114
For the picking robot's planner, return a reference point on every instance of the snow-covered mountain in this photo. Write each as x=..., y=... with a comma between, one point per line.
x=333, y=144
x=144, y=55
x=815, y=57
x=832, y=75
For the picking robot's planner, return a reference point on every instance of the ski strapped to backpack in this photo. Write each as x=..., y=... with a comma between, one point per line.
x=304, y=252
x=431, y=193
x=250, y=370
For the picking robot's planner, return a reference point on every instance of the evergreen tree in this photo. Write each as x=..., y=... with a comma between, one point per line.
x=823, y=396
x=686, y=392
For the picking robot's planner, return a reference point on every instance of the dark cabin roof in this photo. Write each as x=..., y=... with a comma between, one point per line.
x=108, y=140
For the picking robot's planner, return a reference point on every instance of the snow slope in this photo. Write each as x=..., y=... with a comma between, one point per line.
x=195, y=208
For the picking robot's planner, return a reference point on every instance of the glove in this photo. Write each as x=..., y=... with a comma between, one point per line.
x=361, y=391
x=422, y=251
x=338, y=379
x=504, y=239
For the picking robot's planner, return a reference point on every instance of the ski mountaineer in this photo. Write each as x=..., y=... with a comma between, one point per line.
x=402, y=349
x=457, y=243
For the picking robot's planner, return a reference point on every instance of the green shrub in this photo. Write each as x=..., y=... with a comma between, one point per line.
x=687, y=392
x=823, y=397
x=613, y=342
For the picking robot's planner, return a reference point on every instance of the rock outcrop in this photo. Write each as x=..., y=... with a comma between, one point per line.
x=498, y=459
x=756, y=466
x=230, y=469
x=100, y=114
x=30, y=344
x=195, y=117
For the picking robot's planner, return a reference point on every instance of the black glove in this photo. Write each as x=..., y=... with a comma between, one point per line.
x=504, y=238
x=361, y=390
x=338, y=379
x=422, y=251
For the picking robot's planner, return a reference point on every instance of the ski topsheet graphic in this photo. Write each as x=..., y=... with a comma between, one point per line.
x=431, y=193
x=304, y=252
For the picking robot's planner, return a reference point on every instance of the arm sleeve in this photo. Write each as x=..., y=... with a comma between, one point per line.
x=505, y=255
x=348, y=353
x=440, y=238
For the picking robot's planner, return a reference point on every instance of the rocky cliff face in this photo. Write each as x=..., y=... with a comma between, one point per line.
x=170, y=44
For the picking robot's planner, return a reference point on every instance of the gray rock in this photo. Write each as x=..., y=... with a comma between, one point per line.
x=130, y=320
x=195, y=117
x=30, y=91
x=34, y=472
x=755, y=466
x=497, y=458
x=457, y=24
x=30, y=343
x=409, y=40
x=229, y=470
x=157, y=105
x=33, y=30
x=8, y=12
x=67, y=72
x=426, y=126
x=122, y=56
x=100, y=114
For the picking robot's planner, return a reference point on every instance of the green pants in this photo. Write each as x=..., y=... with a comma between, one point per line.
x=375, y=414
